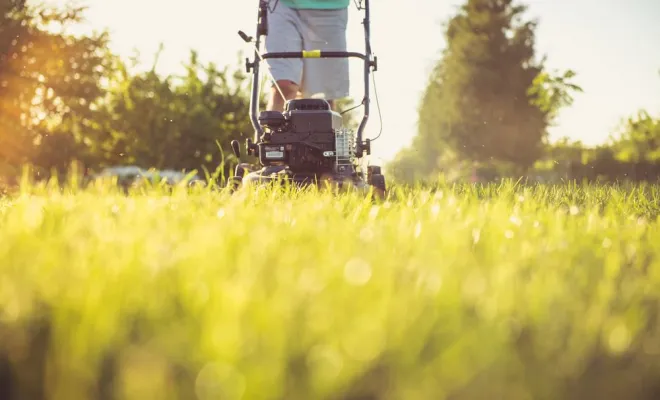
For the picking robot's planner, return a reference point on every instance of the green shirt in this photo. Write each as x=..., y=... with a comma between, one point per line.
x=317, y=4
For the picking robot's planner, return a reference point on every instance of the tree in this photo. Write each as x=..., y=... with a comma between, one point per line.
x=174, y=122
x=639, y=140
x=488, y=101
x=67, y=98
x=48, y=79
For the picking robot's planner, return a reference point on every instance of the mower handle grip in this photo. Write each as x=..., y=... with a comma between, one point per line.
x=314, y=54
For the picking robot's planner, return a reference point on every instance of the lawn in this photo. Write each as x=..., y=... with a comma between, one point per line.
x=499, y=291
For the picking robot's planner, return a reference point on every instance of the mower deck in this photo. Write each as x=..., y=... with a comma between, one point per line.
x=281, y=175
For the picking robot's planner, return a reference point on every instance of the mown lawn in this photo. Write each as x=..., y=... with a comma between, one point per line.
x=461, y=292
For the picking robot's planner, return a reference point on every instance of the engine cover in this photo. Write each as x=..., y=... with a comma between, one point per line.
x=303, y=138
x=299, y=157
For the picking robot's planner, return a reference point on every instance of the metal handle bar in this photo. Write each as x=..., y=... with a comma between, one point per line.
x=314, y=54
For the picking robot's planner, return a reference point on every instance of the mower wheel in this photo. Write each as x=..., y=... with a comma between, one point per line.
x=373, y=170
x=241, y=170
x=378, y=182
x=234, y=183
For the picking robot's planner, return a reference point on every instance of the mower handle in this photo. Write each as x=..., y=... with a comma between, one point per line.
x=314, y=54
x=369, y=64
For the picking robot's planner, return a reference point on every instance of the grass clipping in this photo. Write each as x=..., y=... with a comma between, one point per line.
x=460, y=292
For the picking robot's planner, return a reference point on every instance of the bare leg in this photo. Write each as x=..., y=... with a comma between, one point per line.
x=289, y=89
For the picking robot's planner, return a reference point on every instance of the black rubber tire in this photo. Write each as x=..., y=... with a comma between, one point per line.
x=374, y=170
x=234, y=183
x=378, y=182
x=240, y=171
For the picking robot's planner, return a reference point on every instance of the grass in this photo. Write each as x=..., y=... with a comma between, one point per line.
x=461, y=292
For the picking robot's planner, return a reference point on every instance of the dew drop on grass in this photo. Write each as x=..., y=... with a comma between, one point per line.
x=476, y=235
x=374, y=212
x=367, y=234
x=418, y=229
x=514, y=219
x=435, y=209
x=574, y=210
x=357, y=272
x=508, y=234
x=34, y=215
x=220, y=213
x=309, y=281
x=475, y=285
x=433, y=283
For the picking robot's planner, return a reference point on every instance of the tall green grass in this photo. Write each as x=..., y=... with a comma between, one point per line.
x=461, y=292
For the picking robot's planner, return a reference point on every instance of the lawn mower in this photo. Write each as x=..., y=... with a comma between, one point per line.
x=307, y=143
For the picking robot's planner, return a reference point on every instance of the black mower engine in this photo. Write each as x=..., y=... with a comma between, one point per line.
x=307, y=137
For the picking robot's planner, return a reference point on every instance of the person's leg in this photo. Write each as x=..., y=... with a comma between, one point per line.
x=289, y=90
x=283, y=35
x=325, y=77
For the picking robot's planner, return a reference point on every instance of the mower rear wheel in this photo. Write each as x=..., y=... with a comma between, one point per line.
x=374, y=170
x=378, y=182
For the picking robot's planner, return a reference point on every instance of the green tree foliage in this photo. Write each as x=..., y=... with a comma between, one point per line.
x=429, y=152
x=632, y=155
x=566, y=149
x=351, y=112
x=174, y=122
x=550, y=93
x=67, y=98
x=488, y=100
x=639, y=139
x=48, y=81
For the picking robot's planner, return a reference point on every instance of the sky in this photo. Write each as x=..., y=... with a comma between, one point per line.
x=613, y=45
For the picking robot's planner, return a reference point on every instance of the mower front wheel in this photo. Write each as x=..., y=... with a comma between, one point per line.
x=234, y=183
x=243, y=169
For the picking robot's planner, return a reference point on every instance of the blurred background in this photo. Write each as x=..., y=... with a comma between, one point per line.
x=154, y=84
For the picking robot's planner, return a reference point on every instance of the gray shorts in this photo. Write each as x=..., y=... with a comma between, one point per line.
x=304, y=29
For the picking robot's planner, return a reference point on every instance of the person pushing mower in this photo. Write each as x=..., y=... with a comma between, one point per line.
x=310, y=143
x=297, y=25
